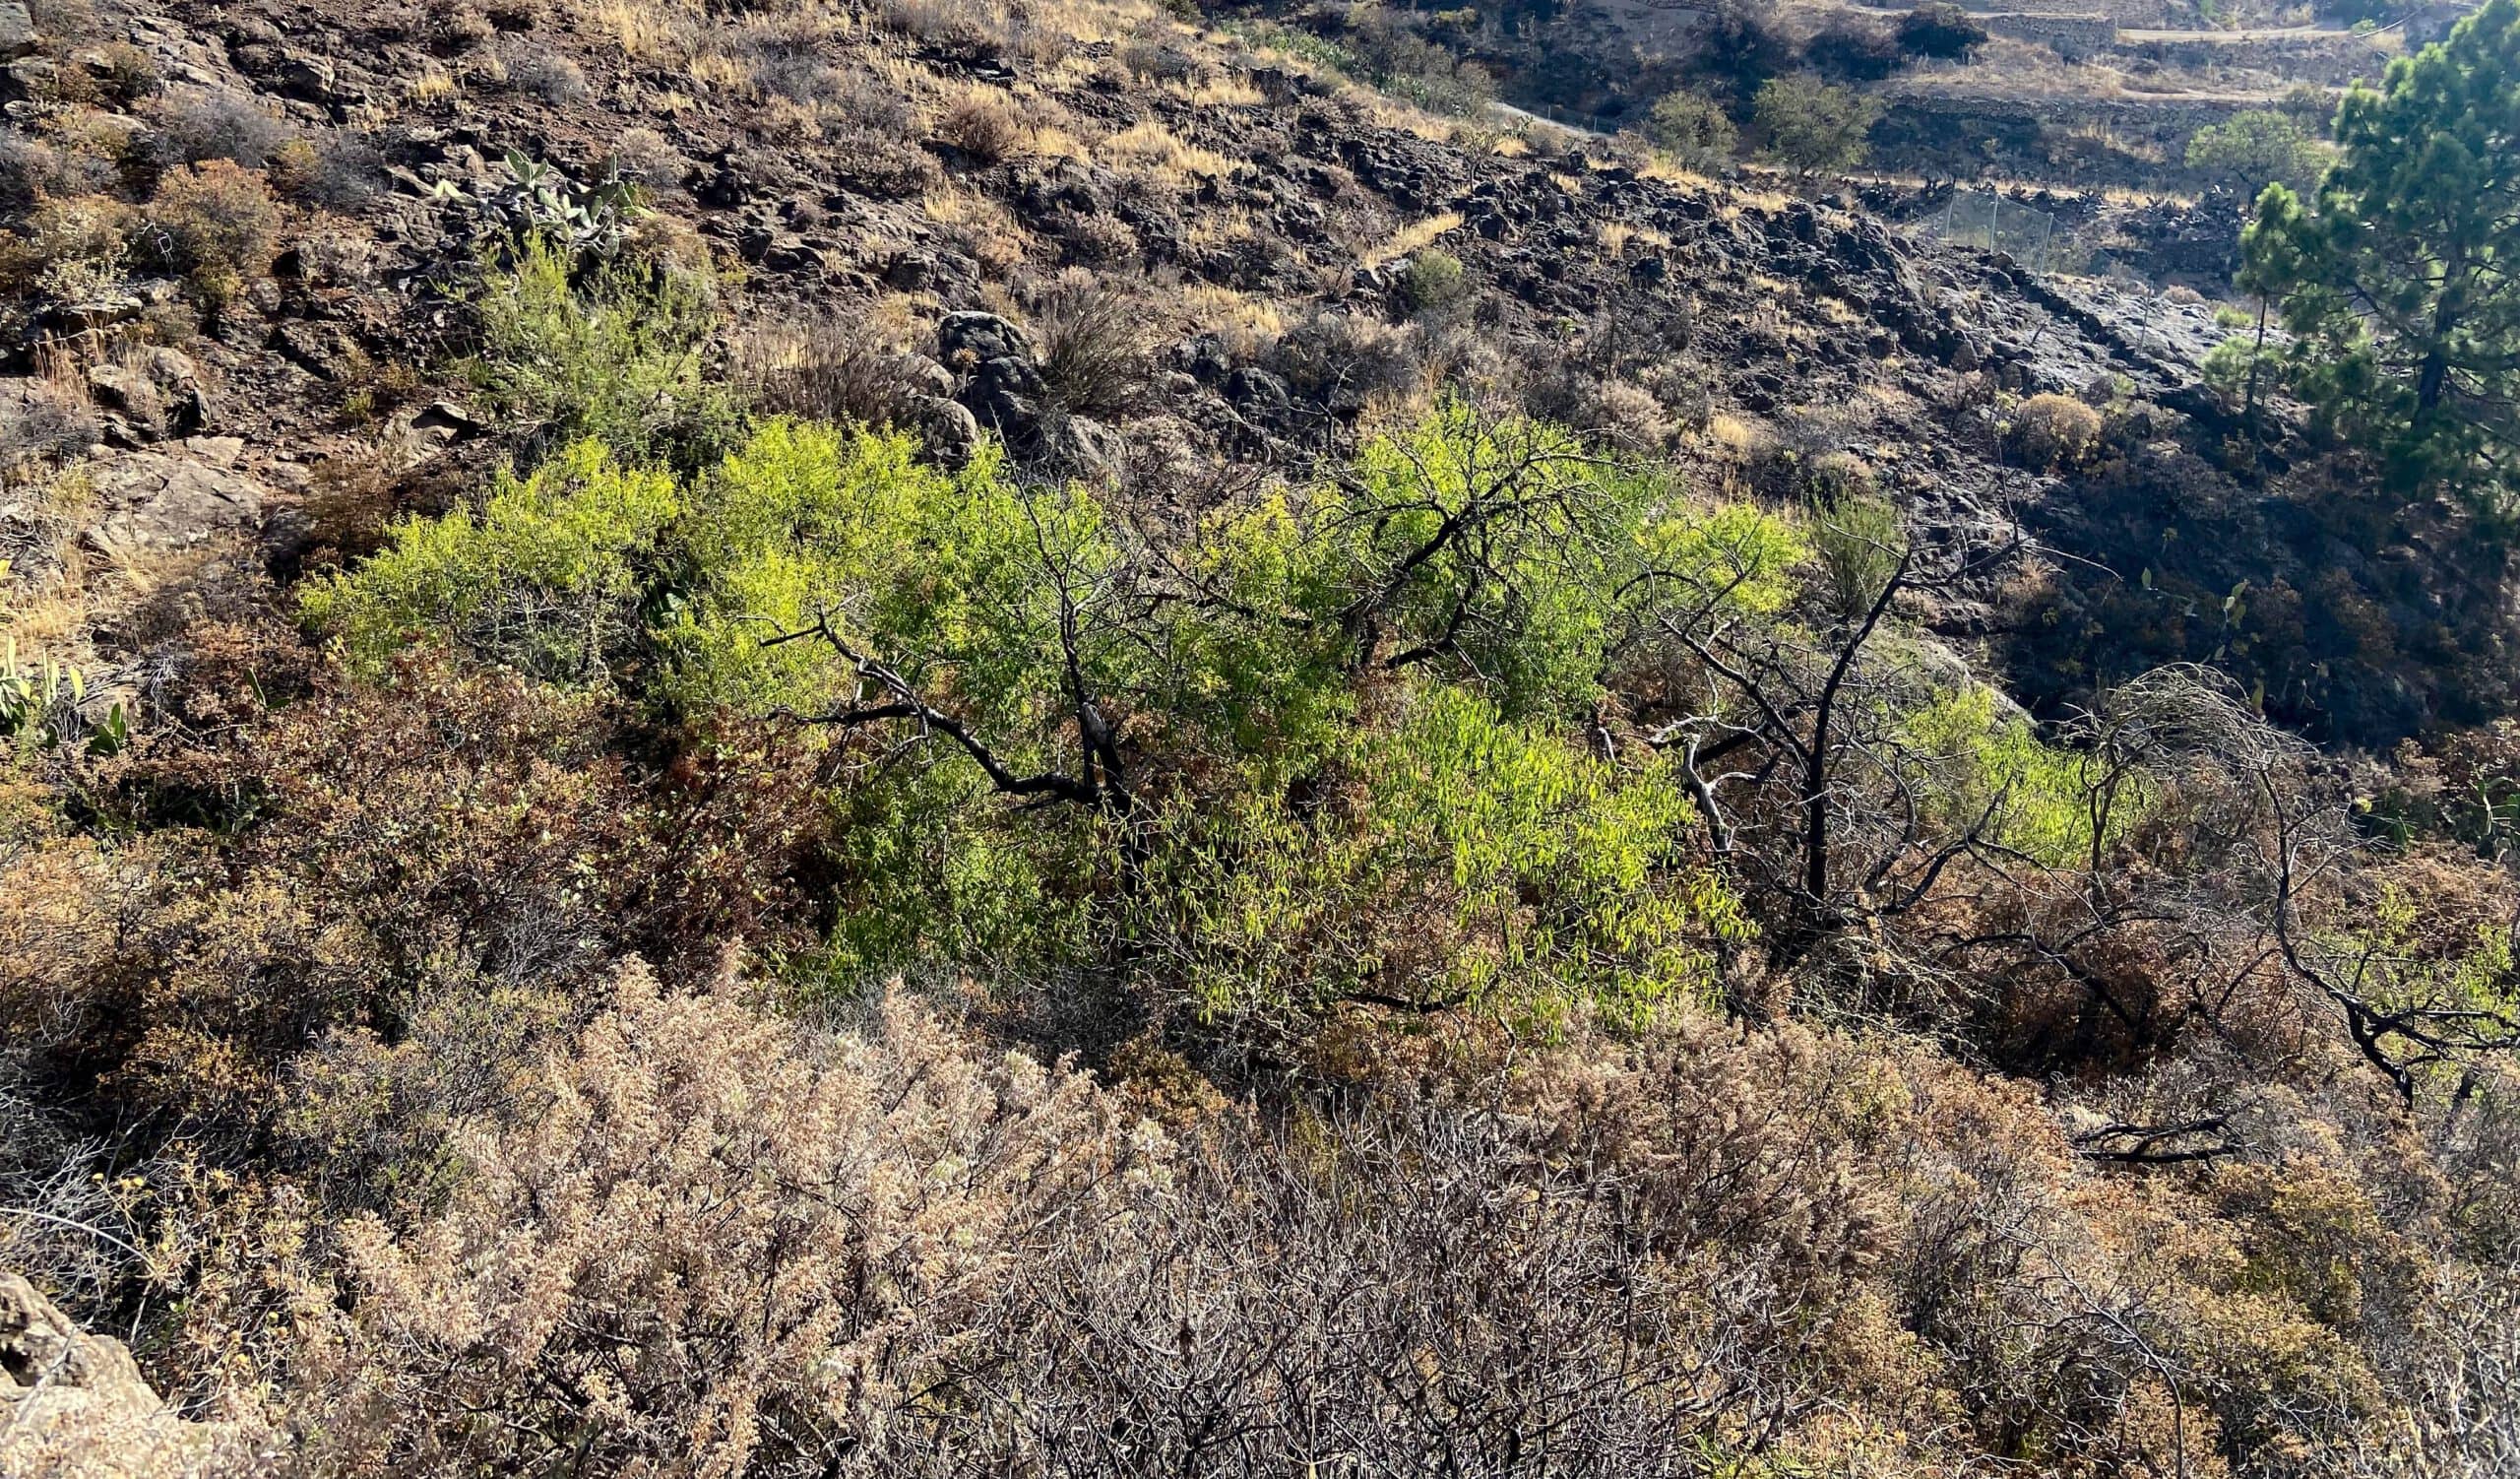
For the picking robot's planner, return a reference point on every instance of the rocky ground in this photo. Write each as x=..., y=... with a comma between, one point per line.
x=921, y=182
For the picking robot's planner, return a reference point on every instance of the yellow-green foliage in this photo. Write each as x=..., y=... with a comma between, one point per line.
x=545, y=576
x=1738, y=555
x=2035, y=797
x=612, y=352
x=1463, y=858
x=1470, y=849
x=1549, y=537
x=911, y=565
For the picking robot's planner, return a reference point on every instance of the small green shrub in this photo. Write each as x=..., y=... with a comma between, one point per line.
x=615, y=353
x=1693, y=130
x=546, y=576
x=1434, y=279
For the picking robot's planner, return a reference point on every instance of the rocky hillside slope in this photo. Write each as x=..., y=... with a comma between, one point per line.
x=1231, y=259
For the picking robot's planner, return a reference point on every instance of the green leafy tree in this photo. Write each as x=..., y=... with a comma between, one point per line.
x=2261, y=147
x=1812, y=126
x=1694, y=130
x=2396, y=280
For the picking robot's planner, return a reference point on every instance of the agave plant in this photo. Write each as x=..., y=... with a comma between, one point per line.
x=44, y=704
x=541, y=198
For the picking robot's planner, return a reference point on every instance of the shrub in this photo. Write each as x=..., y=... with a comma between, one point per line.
x=1094, y=351
x=200, y=124
x=982, y=127
x=614, y=353
x=1854, y=51
x=1860, y=540
x=2257, y=147
x=337, y=169
x=2053, y=432
x=216, y=224
x=645, y=157
x=1694, y=130
x=1537, y=887
x=542, y=73
x=69, y=250
x=1434, y=279
x=44, y=419
x=1943, y=32
x=33, y=170
x=547, y=577
x=1812, y=126
x=832, y=369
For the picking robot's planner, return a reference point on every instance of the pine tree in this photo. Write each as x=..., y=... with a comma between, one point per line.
x=2396, y=280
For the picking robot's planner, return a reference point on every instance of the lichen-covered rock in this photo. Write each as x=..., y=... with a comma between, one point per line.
x=173, y=500
x=74, y=1406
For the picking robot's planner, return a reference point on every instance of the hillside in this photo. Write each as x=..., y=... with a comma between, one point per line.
x=927, y=737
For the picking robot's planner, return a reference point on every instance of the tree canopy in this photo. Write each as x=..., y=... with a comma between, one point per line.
x=2395, y=279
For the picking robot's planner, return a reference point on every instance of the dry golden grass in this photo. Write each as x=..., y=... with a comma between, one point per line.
x=1221, y=91
x=981, y=226
x=1149, y=146
x=1746, y=438
x=433, y=83
x=1618, y=235
x=1412, y=238
x=716, y=71
x=643, y=30
x=1246, y=323
x=1658, y=165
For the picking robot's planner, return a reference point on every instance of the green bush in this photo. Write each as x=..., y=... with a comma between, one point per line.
x=614, y=352
x=1410, y=635
x=1693, y=130
x=546, y=576
x=1812, y=126
x=1434, y=279
x=1469, y=860
x=2257, y=147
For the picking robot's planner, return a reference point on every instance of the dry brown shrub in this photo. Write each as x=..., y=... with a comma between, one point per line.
x=2053, y=432
x=982, y=127
x=1095, y=350
x=707, y=1241
x=214, y=223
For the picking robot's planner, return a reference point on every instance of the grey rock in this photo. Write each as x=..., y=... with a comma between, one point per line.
x=971, y=339
x=129, y=394
x=159, y=500
x=947, y=428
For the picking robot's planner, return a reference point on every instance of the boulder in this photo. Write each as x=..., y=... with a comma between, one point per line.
x=154, y=395
x=72, y=1403
x=969, y=339
x=1005, y=393
x=174, y=499
x=946, y=428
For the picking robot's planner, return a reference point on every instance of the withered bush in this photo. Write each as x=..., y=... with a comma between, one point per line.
x=200, y=124
x=701, y=1240
x=2053, y=432
x=214, y=223
x=1094, y=347
x=385, y=847
x=834, y=369
x=982, y=127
